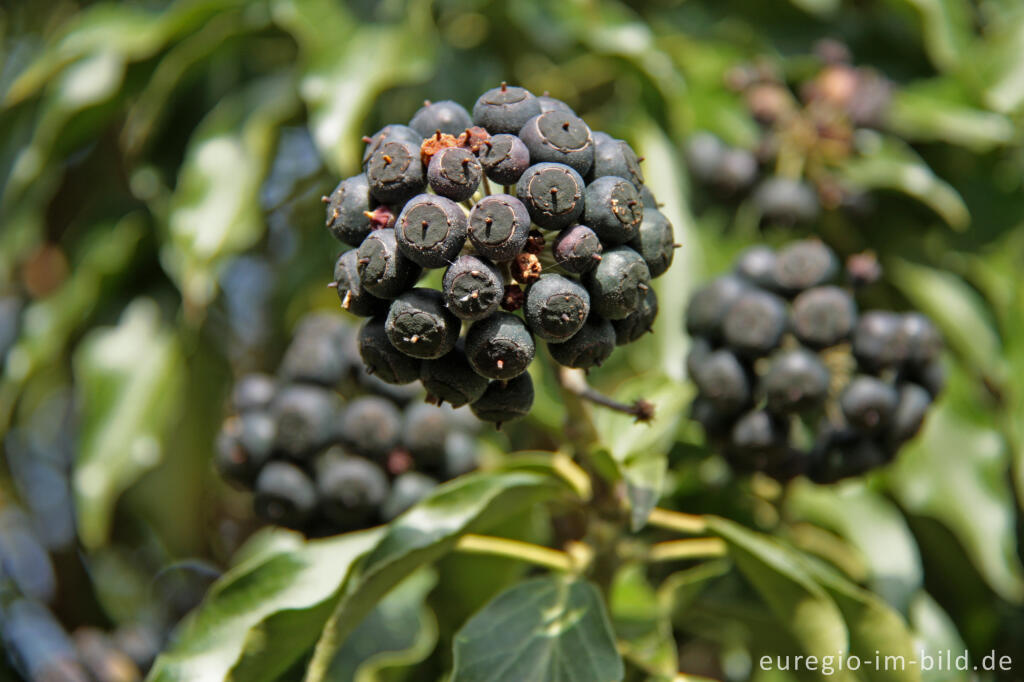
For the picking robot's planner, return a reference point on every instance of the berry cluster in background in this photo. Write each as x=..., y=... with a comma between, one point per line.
x=326, y=448
x=524, y=208
x=794, y=380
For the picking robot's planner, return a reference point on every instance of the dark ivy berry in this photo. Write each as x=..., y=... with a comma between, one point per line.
x=911, y=409
x=757, y=440
x=722, y=379
x=613, y=210
x=920, y=340
x=390, y=133
x=931, y=376
x=347, y=210
x=700, y=351
x=383, y=270
x=500, y=346
x=371, y=427
x=419, y=324
x=559, y=137
x=875, y=340
x=648, y=198
x=556, y=307
x=796, y=381
x=617, y=158
x=736, y=171
x=244, y=444
x=395, y=172
x=431, y=230
x=449, y=117
x=407, y=490
x=754, y=323
x=703, y=154
x=805, y=264
x=499, y=226
x=786, y=201
x=823, y=316
x=315, y=354
x=709, y=304
x=424, y=432
x=868, y=403
x=350, y=290
x=504, y=158
x=451, y=379
x=455, y=173
x=383, y=360
x=284, y=495
x=715, y=423
x=552, y=193
x=473, y=288
x=577, y=249
x=757, y=266
x=505, y=401
x=589, y=347
x=655, y=242
x=253, y=392
x=460, y=455
x=505, y=109
x=638, y=322
x=350, y=489
x=551, y=104
x=618, y=284
x=306, y=418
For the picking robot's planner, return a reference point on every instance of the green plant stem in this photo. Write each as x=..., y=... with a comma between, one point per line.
x=677, y=521
x=515, y=549
x=693, y=548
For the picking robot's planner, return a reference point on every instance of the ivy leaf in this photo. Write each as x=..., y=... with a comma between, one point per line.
x=946, y=29
x=938, y=111
x=289, y=578
x=552, y=628
x=642, y=622
x=131, y=375
x=426, y=532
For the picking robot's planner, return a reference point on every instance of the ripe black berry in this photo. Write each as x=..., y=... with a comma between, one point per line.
x=551, y=104
x=911, y=409
x=383, y=270
x=796, y=381
x=347, y=210
x=390, y=133
x=431, y=230
x=868, y=403
x=505, y=401
x=407, y=490
x=559, y=137
x=875, y=340
x=589, y=347
x=455, y=173
x=371, y=427
x=383, y=360
x=253, y=392
x=786, y=201
x=919, y=339
x=613, y=209
x=618, y=284
x=722, y=379
x=350, y=489
x=473, y=288
x=616, y=158
x=419, y=324
x=803, y=265
x=499, y=226
x=638, y=322
x=577, y=249
x=244, y=444
x=552, y=193
x=556, y=307
x=648, y=198
x=500, y=346
x=709, y=304
x=756, y=265
x=700, y=351
x=306, y=419
x=395, y=172
x=284, y=495
x=504, y=159
x=447, y=116
x=754, y=323
x=757, y=440
x=823, y=316
x=703, y=155
x=315, y=354
x=655, y=242
x=505, y=109
x=451, y=379
x=716, y=424
x=350, y=290
x=424, y=433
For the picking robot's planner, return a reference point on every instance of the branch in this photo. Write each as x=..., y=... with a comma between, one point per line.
x=696, y=548
x=514, y=549
x=575, y=382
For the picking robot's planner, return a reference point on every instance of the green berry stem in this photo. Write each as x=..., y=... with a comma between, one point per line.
x=554, y=559
x=486, y=185
x=691, y=548
x=689, y=524
x=575, y=382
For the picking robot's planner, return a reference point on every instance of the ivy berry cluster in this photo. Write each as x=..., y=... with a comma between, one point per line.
x=543, y=229
x=794, y=380
x=327, y=449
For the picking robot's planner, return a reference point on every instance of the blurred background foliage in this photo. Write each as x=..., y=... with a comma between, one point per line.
x=161, y=165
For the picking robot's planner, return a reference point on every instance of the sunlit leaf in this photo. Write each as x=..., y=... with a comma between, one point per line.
x=933, y=111
x=641, y=622
x=946, y=28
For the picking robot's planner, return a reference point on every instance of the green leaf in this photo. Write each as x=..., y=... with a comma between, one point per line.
x=642, y=622
x=215, y=209
x=822, y=8
x=946, y=28
x=936, y=631
x=936, y=111
x=298, y=580
x=777, y=573
x=400, y=630
x=890, y=164
x=131, y=375
x=873, y=525
x=342, y=78
x=997, y=64
x=552, y=628
x=426, y=532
